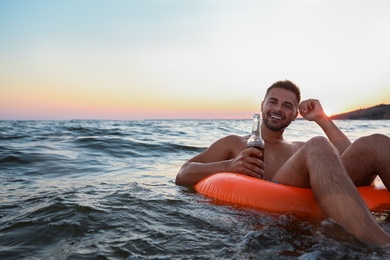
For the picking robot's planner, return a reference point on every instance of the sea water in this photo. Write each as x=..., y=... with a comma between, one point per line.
x=105, y=190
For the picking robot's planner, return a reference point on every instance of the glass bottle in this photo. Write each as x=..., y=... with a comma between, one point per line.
x=255, y=139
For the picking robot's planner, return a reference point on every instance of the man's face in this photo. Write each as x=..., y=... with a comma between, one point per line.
x=279, y=108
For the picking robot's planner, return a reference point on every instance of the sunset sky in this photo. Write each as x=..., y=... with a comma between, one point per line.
x=187, y=59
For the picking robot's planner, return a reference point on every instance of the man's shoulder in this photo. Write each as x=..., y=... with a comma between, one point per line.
x=232, y=140
x=236, y=138
x=231, y=145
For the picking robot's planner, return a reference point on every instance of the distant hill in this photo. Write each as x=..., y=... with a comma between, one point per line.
x=372, y=113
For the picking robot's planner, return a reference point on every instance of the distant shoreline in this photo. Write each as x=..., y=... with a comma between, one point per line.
x=378, y=112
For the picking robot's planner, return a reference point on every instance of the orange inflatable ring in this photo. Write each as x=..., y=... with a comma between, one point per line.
x=263, y=195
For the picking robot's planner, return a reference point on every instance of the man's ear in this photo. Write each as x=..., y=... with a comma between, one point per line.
x=261, y=107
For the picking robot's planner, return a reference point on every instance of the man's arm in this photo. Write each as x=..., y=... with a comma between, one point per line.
x=312, y=110
x=225, y=155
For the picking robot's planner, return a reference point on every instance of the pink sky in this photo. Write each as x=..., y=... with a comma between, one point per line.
x=188, y=59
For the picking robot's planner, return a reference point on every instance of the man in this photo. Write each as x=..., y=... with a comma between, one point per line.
x=330, y=167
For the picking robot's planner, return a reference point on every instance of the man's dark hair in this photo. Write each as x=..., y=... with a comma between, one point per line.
x=286, y=84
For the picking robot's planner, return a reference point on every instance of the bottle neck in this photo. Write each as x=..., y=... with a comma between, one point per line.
x=256, y=124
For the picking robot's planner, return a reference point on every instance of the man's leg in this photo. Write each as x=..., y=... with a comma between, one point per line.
x=368, y=157
x=318, y=165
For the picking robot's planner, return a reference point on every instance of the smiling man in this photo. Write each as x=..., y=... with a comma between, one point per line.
x=321, y=164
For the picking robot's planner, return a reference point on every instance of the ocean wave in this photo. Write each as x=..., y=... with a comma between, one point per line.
x=105, y=189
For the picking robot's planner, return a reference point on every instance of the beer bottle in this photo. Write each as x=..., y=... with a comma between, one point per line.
x=255, y=139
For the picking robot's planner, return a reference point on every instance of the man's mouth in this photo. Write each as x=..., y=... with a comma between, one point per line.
x=277, y=117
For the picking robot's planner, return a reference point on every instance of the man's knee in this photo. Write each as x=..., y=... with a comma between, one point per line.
x=319, y=147
x=375, y=138
x=320, y=143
